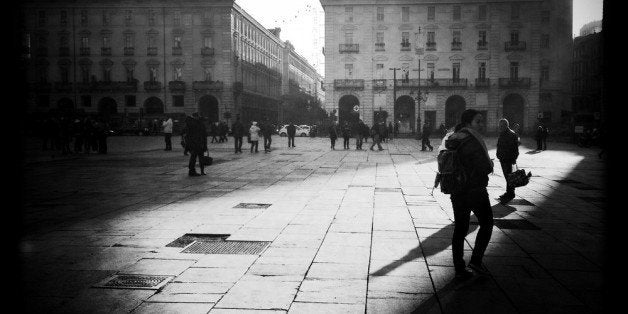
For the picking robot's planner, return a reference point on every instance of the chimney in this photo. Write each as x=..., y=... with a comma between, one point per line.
x=276, y=31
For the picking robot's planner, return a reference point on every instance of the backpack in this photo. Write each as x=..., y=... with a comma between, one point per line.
x=451, y=175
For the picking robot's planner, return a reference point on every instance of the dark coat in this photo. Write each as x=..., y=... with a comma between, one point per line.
x=238, y=129
x=267, y=129
x=292, y=130
x=333, y=133
x=195, y=135
x=426, y=132
x=346, y=131
x=508, y=146
x=477, y=166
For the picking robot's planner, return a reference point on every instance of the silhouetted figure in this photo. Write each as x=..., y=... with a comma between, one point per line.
x=292, y=131
x=238, y=134
x=167, y=127
x=425, y=137
x=507, y=153
x=333, y=134
x=346, y=135
x=358, y=131
x=376, y=131
x=196, y=141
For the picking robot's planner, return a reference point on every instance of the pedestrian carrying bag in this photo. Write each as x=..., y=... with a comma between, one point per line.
x=518, y=177
x=451, y=175
x=206, y=160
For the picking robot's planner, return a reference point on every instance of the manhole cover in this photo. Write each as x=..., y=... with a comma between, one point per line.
x=252, y=205
x=515, y=224
x=188, y=238
x=520, y=201
x=227, y=247
x=122, y=281
x=387, y=190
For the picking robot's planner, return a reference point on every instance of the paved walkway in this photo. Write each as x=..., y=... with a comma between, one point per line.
x=350, y=232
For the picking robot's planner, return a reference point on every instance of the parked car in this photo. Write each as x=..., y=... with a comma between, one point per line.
x=302, y=130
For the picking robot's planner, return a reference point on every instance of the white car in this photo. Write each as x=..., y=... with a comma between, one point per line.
x=301, y=130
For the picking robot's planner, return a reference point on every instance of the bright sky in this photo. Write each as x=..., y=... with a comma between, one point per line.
x=297, y=21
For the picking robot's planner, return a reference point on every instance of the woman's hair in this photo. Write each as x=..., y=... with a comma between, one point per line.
x=466, y=118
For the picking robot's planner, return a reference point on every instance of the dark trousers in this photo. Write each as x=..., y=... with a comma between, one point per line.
x=358, y=141
x=507, y=169
x=192, y=164
x=237, y=143
x=290, y=141
x=475, y=200
x=376, y=140
x=539, y=143
x=168, y=139
x=254, y=144
x=425, y=141
x=333, y=142
x=346, y=141
x=544, y=143
x=267, y=141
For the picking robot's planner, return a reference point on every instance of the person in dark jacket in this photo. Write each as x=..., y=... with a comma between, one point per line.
x=425, y=136
x=390, y=130
x=346, y=134
x=196, y=142
x=358, y=130
x=213, y=131
x=538, y=136
x=544, y=136
x=267, y=132
x=238, y=134
x=472, y=196
x=376, y=131
x=396, y=129
x=292, y=131
x=366, y=133
x=507, y=153
x=333, y=134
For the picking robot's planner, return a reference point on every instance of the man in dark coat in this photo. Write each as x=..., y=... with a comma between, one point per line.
x=238, y=134
x=358, y=130
x=377, y=130
x=196, y=141
x=333, y=134
x=425, y=136
x=507, y=153
x=346, y=134
x=544, y=136
x=292, y=131
x=267, y=132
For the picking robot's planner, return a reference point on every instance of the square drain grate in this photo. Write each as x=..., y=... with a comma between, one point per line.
x=252, y=205
x=188, y=238
x=520, y=201
x=227, y=247
x=515, y=224
x=131, y=281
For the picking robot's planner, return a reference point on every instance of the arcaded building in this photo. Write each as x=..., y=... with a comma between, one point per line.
x=588, y=78
x=505, y=58
x=153, y=57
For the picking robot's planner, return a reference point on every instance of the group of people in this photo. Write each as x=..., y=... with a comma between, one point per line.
x=541, y=137
x=220, y=130
x=73, y=135
x=379, y=133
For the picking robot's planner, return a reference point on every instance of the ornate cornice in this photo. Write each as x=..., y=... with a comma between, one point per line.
x=482, y=56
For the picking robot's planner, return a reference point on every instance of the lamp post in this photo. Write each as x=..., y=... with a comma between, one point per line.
x=419, y=97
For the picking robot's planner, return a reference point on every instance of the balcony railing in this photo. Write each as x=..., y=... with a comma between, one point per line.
x=515, y=46
x=436, y=83
x=207, y=51
x=208, y=85
x=176, y=85
x=152, y=86
x=521, y=82
x=410, y=83
x=456, y=46
x=85, y=51
x=64, y=51
x=63, y=87
x=482, y=83
x=129, y=51
x=349, y=84
x=405, y=46
x=380, y=46
x=482, y=45
x=177, y=51
x=151, y=51
x=105, y=51
x=349, y=48
x=379, y=84
x=430, y=46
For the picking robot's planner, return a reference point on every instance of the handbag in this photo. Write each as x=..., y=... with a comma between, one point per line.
x=206, y=160
x=518, y=177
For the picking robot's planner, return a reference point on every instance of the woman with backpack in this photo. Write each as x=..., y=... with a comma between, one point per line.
x=470, y=193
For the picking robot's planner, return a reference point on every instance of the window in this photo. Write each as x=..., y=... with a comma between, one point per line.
x=151, y=41
x=545, y=17
x=128, y=17
x=43, y=100
x=545, y=73
x=456, y=13
x=514, y=37
x=64, y=18
x=348, y=38
x=430, y=70
x=455, y=71
x=456, y=37
x=482, y=37
x=86, y=100
x=129, y=100
x=514, y=71
x=405, y=39
x=349, y=14
x=84, y=18
x=177, y=73
x=405, y=72
x=63, y=41
x=405, y=14
x=379, y=41
x=42, y=73
x=431, y=37
x=514, y=11
x=106, y=18
x=379, y=70
x=482, y=10
x=431, y=13
x=348, y=70
x=152, y=73
x=151, y=18
x=482, y=71
x=545, y=41
x=106, y=41
x=128, y=40
x=380, y=14
x=177, y=42
x=41, y=21
x=207, y=42
x=207, y=76
x=177, y=100
x=129, y=74
x=84, y=42
x=106, y=73
x=176, y=19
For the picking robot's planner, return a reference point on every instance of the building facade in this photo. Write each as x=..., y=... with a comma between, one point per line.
x=588, y=79
x=301, y=74
x=155, y=57
x=505, y=58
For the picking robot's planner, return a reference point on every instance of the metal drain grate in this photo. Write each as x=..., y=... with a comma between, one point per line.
x=227, y=247
x=188, y=238
x=252, y=205
x=515, y=224
x=130, y=281
x=520, y=201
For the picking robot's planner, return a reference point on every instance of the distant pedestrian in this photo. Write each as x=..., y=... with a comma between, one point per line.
x=471, y=194
x=213, y=131
x=254, y=136
x=507, y=153
x=538, y=136
x=333, y=134
x=358, y=131
x=238, y=133
x=346, y=135
x=544, y=136
x=391, y=130
x=196, y=141
x=88, y=135
x=396, y=128
x=376, y=130
x=267, y=132
x=366, y=133
x=77, y=129
x=101, y=130
x=425, y=136
x=292, y=131
x=167, y=126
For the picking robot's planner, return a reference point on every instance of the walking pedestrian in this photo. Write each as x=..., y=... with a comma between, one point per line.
x=196, y=141
x=238, y=134
x=333, y=134
x=167, y=126
x=224, y=131
x=544, y=136
x=213, y=131
x=292, y=131
x=376, y=130
x=101, y=129
x=346, y=134
x=472, y=194
x=254, y=136
x=366, y=133
x=358, y=130
x=396, y=129
x=538, y=136
x=391, y=131
x=507, y=153
x=267, y=132
x=425, y=136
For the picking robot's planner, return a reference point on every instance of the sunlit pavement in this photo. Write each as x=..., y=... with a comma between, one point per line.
x=350, y=231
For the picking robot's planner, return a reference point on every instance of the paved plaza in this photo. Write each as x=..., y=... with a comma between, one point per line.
x=348, y=231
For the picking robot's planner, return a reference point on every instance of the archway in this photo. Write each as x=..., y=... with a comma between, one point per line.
x=454, y=106
x=404, y=114
x=65, y=104
x=513, y=109
x=107, y=106
x=153, y=105
x=347, y=112
x=208, y=108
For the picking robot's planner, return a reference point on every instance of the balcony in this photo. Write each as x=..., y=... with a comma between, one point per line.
x=105, y=51
x=177, y=51
x=515, y=46
x=41, y=51
x=176, y=86
x=401, y=83
x=85, y=51
x=430, y=46
x=349, y=84
x=207, y=51
x=64, y=51
x=379, y=84
x=208, y=85
x=482, y=45
x=152, y=86
x=482, y=83
x=63, y=87
x=151, y=51
x=456, y=46
x=445, y=83
x=405, y=46
x=349, y=48
x=129, y=51
x=521, y=82
x=107, y=87
x=380, y=46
